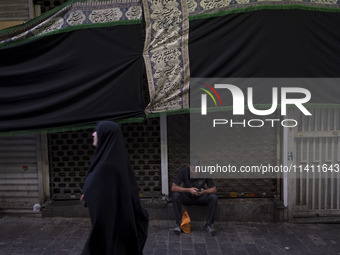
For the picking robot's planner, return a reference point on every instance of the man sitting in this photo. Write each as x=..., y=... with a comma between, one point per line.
x=194, y=192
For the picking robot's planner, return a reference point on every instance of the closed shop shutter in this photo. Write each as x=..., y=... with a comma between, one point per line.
x=70, y=154
x=14, y=10
x=19, y=181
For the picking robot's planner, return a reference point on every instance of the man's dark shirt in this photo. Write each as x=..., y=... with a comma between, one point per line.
x=183, y=176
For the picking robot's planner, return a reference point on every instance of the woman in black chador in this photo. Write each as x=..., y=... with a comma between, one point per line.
x=119, y=223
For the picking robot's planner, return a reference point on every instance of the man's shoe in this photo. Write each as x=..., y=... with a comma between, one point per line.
x=177, y=230
x=210, y=230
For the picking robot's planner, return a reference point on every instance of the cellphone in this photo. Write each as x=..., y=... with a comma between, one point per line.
x=199, y=190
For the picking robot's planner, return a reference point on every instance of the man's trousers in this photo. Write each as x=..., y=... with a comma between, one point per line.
x=180, y=198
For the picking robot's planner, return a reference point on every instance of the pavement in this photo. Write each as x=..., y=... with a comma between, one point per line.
x=52, y=236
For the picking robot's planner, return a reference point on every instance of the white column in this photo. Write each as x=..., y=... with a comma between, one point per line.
x=164, y=154
x=43, y=167
x=285, y=163
x=289, y=179
x=30, y=9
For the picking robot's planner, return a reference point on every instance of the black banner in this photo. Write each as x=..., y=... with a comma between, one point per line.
x=72, y=78
x=267, y=43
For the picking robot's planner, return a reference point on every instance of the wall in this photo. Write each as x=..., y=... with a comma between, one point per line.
x=245, y=146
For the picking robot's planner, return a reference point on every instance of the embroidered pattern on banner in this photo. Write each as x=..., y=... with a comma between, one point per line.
x=107, y=15
x=78, y=14
x=196, y=7
x=166, y=54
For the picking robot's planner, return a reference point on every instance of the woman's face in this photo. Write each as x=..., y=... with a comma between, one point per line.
x=95, y=139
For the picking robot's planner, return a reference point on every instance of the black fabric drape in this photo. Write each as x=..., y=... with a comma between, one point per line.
x=72, y=78
x=119, y=223
x=267, y=43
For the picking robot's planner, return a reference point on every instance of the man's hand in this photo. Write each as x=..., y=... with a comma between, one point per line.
x=192, y=191
x=199, y=193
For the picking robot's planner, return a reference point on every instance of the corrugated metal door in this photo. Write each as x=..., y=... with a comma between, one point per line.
x=19, y=178
x=15, y=9
x=317, y=154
